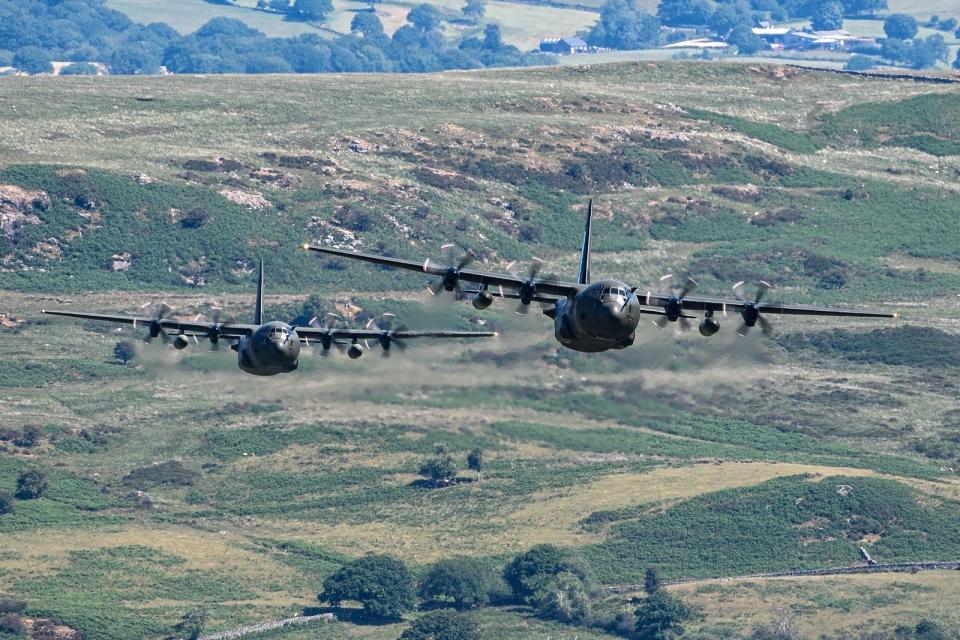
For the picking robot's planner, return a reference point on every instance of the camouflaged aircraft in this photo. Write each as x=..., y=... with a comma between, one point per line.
x=269, y=348
x=597, y=316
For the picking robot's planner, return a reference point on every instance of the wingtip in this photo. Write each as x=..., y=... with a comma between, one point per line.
x=306, y=247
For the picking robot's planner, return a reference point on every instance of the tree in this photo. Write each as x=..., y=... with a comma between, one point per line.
x=130, y=60
x=897, y=50
x=680, y=13
x=443, y=625
x=651, y=580
x=315, y=10
x=661, y=616
x=192, y=624
x=624, y=25
x=745, y=40
x=383, y=585
x=280, y=6
x=31, y=484
x=858, y=62
x=729, y=15
x=474, y=10
x=929, y=51
x=440, y=468
x=79, y=69
x=124, y=351
x=492, y=37
x=900, y=26
x=563, y=597
x=6, y=502
x=828, y=16
x=862, y=7
x=956, y=61
x=32, y=60
x=367, y=24
x=529, y=571
x=424, y=17
x=468, y=582
x=475, y=462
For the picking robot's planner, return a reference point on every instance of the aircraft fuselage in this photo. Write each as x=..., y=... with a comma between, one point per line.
x=601, y=316
x=273, y=348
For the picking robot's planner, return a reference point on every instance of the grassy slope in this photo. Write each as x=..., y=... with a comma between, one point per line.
x=294, y=474
x=523, y=25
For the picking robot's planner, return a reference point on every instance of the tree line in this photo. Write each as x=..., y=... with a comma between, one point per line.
x=35, y=32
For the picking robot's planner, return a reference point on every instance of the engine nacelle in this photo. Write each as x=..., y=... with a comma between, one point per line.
x=354, y=351
x=180, y=342
x=482, y=300
x=709, y=326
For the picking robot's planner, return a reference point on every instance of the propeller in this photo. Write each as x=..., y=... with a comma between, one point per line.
x=214, y=333
x=673, y=309
x=386, y=338
x=326, y=340
x=155, y=328
x=750, y=311
x=450, y=280
x=528, y=288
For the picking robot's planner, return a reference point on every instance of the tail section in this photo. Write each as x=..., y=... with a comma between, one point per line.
x=258, y=309
x=584, y=276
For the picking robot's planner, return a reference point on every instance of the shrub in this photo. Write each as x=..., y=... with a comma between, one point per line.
x=443, y=625
x=124, y=351
x=31, y=484
x=661, y=616
x=6, y=502
x=440, y=468
x=12, y=606
x=12, y=624
x=172, y=473
x=563, y=597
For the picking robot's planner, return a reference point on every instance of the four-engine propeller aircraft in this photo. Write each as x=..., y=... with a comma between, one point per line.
x=597, y=316
x=269, y=348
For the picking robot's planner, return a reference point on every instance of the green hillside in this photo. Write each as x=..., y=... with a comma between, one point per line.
x=177, y=483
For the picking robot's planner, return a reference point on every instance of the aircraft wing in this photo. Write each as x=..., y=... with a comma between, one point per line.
x=700, y=303
x=484, y=278
x=319, y=334
x=169, y=325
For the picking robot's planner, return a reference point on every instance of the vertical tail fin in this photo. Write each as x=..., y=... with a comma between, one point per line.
x=258, y=309
x=584, y=276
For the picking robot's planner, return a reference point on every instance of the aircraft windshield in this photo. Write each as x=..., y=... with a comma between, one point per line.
x=616, y=294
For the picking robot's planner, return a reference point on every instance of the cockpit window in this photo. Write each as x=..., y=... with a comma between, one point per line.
x=615, y=293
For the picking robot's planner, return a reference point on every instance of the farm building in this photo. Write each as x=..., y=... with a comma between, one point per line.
x=698, y=43
x=833, y=40
x=564, y=46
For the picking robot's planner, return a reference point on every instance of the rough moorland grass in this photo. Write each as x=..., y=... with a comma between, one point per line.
x=926, y=123
x=770, y=133
x=787, y=523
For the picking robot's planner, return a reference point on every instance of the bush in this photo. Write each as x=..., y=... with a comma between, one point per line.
x=443, y=625
x=467, y=582
x=563, y=597
x=31, y=484
x=165, y=473
x=79, y=69
x=12, y=606
x=383, y=585
x=6, y=502
x=859, y=62
x=124, y=351
x=440, y=468
x=12, y=624
x=661, y=616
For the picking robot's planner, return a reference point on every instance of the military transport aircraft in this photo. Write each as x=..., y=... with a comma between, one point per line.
x=601, y=315
x=269, y=348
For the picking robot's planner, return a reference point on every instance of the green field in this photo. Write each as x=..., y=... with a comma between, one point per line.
x=708, y=458
x=523, y=25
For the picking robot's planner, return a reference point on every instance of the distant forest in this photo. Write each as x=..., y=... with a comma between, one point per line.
x=35, y=32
